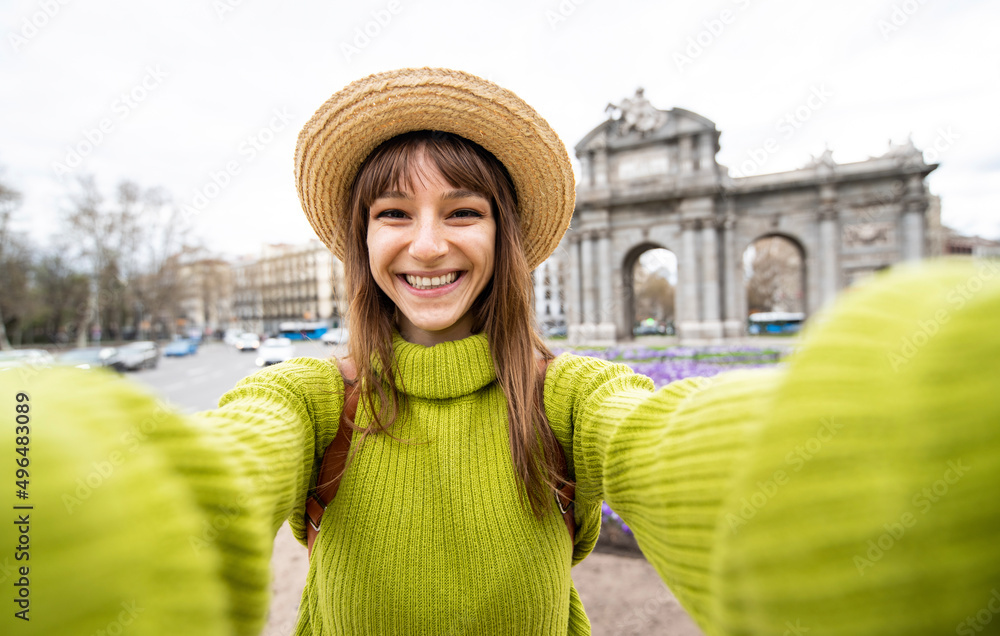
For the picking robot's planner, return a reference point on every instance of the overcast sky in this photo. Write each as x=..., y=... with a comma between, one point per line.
x=170, y=93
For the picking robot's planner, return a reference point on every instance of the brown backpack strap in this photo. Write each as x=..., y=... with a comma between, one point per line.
x=334, y=459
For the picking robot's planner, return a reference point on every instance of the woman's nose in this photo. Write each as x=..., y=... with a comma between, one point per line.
x=429, y=242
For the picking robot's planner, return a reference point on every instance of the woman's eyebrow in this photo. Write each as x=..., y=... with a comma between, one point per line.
x=462, y=194
x=450, y=195
x=394, y=194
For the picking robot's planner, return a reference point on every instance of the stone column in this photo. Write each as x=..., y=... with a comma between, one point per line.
x=589, y=282
x=733, y=324
x=914, y=207
x=600, y=168
x=608, y=303
x=711, y=323
x=686, y=158
x=913, y=234
x=706, y=150
x=586, y=170
x=554, y=267
x=829, y=248
x=538, y=277
x=688, y=312
x=573, y=291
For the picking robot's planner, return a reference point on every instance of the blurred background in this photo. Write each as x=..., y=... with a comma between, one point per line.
x=739, y=163
x=146, y=148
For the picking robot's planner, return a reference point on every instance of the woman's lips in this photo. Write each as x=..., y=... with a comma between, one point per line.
x=432, y=292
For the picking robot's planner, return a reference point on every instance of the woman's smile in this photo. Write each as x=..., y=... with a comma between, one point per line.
x=431, y=247
x=431, y=282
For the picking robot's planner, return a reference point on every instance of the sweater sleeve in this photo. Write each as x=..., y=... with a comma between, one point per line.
x=662, y=460
x=851, y=490
x=146, y=521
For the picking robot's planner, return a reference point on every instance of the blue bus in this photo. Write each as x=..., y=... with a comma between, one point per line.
x=302, y=330
x=775, y=322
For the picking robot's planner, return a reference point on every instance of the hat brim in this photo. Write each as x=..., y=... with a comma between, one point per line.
x=356, y=120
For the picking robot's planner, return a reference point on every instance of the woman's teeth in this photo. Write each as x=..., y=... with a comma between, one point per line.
x=423, y=282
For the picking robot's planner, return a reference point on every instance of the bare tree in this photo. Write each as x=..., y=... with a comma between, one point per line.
x=157, y=290
x=654, y=295
x=13, y=265
x=774, y=275
x=61, y=296
x=127, y=248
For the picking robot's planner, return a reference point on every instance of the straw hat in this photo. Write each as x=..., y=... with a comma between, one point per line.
x=352, y=123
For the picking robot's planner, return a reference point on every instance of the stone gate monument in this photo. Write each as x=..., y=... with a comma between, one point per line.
x=649, y=179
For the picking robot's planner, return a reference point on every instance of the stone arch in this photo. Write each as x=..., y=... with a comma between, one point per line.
x=649, y=178
x=628, y=264
x=803, y=270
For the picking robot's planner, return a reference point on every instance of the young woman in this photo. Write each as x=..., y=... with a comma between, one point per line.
x=851, y=491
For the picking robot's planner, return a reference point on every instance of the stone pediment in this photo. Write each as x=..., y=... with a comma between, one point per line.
x=635, y=122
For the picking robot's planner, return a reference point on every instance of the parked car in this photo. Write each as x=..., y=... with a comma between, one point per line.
x=335, y=336
x=247, y=342
x=144, y=354
x=25, y=357
x=555, y=331
x=181, y=347
x=653, y=329
x=92, y=358
x=275, y=350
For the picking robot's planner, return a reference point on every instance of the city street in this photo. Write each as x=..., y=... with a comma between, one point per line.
x=195, y=383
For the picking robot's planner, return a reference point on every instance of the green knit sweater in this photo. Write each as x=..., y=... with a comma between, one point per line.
x=850, y=491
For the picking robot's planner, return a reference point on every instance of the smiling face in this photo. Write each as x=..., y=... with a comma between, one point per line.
x=431, y=250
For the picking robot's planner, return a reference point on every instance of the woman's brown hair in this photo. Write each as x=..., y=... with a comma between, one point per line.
x=503, y=311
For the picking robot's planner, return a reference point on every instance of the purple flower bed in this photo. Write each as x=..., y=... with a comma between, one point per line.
x=663, y=373
x=664, y=366
x=669, y=365
x=609, y=515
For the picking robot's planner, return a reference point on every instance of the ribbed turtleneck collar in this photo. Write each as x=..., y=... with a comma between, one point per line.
x=446, y=370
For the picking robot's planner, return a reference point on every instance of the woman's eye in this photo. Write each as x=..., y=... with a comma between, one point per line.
x=390, y=214
x=467, y=213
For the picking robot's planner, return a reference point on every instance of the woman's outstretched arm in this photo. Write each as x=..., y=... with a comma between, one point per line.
x=141, y=520
x=851, y=491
